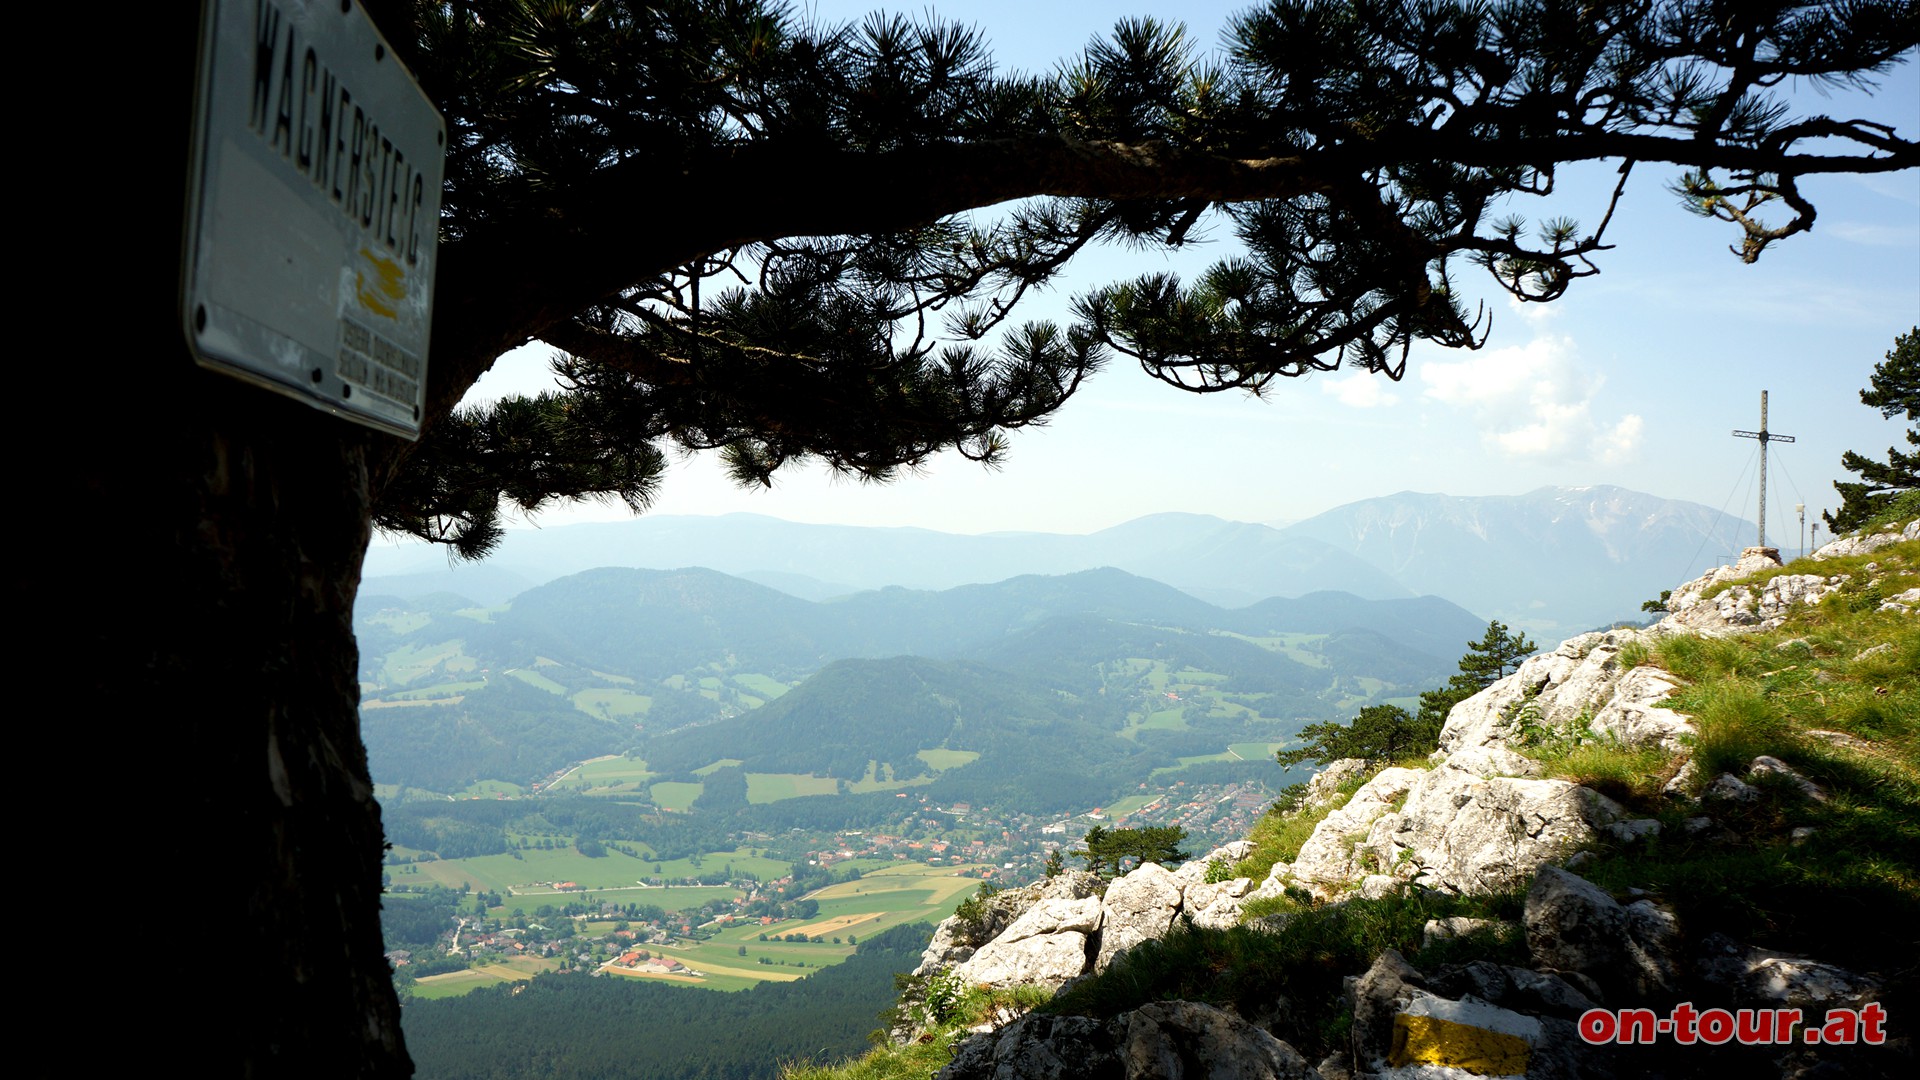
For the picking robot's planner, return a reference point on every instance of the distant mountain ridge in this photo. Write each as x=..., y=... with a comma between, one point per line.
x=1552, y=561
x=695, y=667
x=651, y=624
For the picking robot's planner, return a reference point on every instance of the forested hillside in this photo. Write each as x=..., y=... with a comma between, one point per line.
x=1062, y=689
x=605, y=1028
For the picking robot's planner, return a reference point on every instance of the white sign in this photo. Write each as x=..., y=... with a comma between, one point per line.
x=314, y=208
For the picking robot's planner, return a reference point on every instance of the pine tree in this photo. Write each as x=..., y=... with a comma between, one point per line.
x=1389, y=733
x=1496, y=655
x=1378, y=733
x=1108, y=850
x=1894, y=389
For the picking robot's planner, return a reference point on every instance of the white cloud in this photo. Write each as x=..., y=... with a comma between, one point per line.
x=1623, y=442
x=1533, y=401
x=1359, y=390
x=1876, y=235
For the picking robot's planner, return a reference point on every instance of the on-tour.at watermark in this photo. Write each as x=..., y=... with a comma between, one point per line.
x=1686, y=1025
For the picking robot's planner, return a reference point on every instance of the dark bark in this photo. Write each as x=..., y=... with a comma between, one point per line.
x=194, y=600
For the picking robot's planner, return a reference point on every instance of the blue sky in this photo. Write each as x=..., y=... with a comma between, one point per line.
x=1635, y=378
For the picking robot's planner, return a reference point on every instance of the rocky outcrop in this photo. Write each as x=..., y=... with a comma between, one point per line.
x=1165, y=1040
x=1765, y=606
x=1055, y=931
x=1039, y=1047
x=1574, y=684
x=1169, y=1040
x=1761, y=978
x=1483, y=818
x=1046, y=946
x=1634, y=716
x=956, y=939
x=1868, y=543
x=1467, y=829
x=1327, y=861
x=1140, y=906
x=1481, y=1020
x=1616, y=953
x=1744, y=607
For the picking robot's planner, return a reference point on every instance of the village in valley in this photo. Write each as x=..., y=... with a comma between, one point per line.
x=739, y=925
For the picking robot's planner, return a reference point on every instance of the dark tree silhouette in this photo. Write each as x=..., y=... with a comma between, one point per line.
x=1893, y=389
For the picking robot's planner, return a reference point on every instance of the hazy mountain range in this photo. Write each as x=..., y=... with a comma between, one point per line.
x=1552, y=562
x=695, y=666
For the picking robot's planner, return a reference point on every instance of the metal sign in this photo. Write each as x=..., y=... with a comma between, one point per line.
x=314, y=208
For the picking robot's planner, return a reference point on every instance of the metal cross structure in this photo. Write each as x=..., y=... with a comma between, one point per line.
x=1765, y=437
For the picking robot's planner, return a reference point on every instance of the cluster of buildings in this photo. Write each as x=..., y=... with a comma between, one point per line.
x=1010, y=843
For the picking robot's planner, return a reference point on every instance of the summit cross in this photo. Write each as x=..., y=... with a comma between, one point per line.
x=1765, y=437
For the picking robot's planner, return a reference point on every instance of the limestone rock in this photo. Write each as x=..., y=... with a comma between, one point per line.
x=1517, y=988
x=1488, y=762
x=1472, y=1035
x=1840, y=739
x=1173, y=1040
x=1051, y=960
x=1039, y=1047
x=1377, y=997
x=1275, y=883
x=1763, y=978
x=1055, y=917
x=1631, y=832
x=1757, y=607
x=1046, y=946
x=1575, y=927
x=1326, y=861
x=1578, y=678
x=1215, y=906
x=1453, y=927
x=1379, y=887
x=1730, y=789
x=1464, y=833
x=1326, y=783
x=1226, y=855
x=1767, y=765
x=1682, y=780
x=1634, y=716
x=1139, y=906
x=1901, y=602
x=954, y=941
x=1861, y=545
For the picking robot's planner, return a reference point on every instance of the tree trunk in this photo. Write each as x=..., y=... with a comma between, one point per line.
x=193, y=603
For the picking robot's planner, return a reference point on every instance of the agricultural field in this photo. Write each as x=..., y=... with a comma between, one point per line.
x=612, y=702
x=885, y=898
x=456, y=983
x=612, y=771
x=940, y=760
x=410, y=662
x=765, y=687
x=521, y=873
x=675, y=794
x=534, y=678
x=1255, y=751
x=761, y=787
